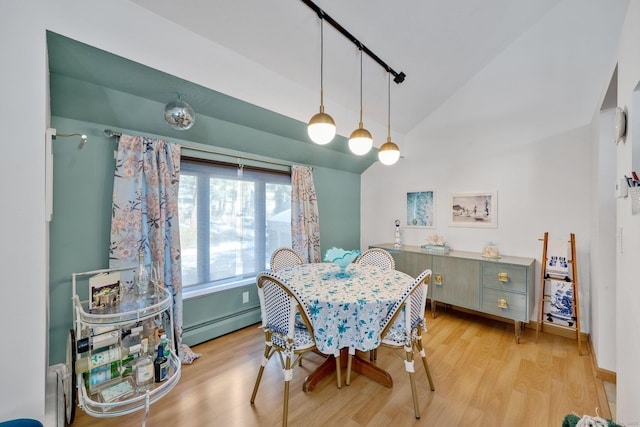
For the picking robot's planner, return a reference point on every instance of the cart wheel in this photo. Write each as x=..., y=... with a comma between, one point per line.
x=70, y=379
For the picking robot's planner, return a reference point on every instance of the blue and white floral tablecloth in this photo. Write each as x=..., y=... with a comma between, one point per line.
x=346, y=312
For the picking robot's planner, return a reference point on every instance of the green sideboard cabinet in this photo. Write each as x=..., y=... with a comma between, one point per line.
x=503, y=287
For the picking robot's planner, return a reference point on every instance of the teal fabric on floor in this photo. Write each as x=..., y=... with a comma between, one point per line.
x=21, y=422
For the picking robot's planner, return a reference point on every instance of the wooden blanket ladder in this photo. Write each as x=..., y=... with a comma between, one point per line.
x=558, y=304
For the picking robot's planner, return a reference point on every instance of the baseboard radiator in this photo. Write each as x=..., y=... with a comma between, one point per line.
x=54, y=399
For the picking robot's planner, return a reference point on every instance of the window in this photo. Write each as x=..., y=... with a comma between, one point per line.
x=231, y=220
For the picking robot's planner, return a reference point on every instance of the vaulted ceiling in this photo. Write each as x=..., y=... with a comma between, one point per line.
x=490, y=71
x=546, y=61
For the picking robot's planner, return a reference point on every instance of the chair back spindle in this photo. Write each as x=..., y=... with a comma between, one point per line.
x=283, y=258
x=377, y=256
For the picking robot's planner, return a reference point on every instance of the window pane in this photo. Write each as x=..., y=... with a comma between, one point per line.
x=231, y=232
x=187, y=209
x=248, y=215
x=278, y=215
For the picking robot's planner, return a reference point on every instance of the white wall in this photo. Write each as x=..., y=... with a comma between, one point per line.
x=603, y=243
x=502, y=131
x=628, y=267
x=541, y=186
x=23, y=305
x=525, y=177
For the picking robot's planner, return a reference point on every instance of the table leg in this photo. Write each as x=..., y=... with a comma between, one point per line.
x=325, y=369
x=368, y=369
x=358, y=364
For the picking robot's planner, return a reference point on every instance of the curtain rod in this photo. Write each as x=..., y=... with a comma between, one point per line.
x=398, y=77
x=113, y=134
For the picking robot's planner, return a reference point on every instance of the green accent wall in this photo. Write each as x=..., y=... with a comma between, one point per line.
x=92, y=90
x=79, y=230
x=93, y=85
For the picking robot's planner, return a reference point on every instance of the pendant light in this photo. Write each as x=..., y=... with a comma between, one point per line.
x=360, y=141
x=321, y=127
x=389, y=153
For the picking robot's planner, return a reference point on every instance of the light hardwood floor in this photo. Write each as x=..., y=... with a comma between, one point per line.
x=482, y=378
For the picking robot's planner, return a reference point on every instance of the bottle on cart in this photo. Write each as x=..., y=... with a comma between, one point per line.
x=104, y=357
x=99, y=330
x=160, y=365
x=131, y=337
x=97, y=342
x=144, y=368
x=141, y=278
x=108, y=372
x=165, y=345
x=131, y=366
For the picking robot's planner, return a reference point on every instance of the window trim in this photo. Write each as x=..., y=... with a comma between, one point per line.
x=204, y=289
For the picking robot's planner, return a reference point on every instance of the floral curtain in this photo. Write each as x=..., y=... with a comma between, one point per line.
x=305, y=224
x=145, y=214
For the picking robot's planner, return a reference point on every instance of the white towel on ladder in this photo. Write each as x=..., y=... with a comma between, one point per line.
x=557, y=261
x=559, y=308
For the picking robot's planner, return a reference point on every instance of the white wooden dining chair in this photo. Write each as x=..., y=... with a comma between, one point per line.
x=283, y=258
x=377, y=256
x=412, y=306
x=279, y=304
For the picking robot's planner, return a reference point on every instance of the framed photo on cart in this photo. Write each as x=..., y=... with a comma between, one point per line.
x=474, y=210
x=421, y=209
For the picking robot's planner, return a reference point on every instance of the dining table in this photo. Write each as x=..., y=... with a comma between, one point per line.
x=346, y=310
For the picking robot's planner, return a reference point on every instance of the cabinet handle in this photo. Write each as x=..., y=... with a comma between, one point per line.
x=503, y=277
x=502, y=303
x=437, y=279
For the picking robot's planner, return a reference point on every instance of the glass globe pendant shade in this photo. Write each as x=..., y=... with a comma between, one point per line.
x=179, y=115
x=360, y=141
x=321, y=128
x=389, y=153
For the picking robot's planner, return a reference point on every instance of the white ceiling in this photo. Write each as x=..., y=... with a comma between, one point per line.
x=497, y=56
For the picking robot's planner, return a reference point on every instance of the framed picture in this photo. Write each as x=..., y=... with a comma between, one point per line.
x=104, y=291
x=421, y=208
x=474, y=210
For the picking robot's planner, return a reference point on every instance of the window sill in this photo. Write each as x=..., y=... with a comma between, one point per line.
x=207, y=288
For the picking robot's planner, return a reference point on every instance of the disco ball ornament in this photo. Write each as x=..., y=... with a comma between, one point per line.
x=179, y=114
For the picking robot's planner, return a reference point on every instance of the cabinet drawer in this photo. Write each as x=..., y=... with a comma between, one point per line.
x=504, y=276
x=505, y=304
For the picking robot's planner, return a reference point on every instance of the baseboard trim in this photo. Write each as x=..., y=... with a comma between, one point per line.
x=603, y=374
x=562, y=331
x=606, y=375
x=548, y=328
x=207, y=331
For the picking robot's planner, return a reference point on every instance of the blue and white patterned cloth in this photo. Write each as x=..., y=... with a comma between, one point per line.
x=347, y=311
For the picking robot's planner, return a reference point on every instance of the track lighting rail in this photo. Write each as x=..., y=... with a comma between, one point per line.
x=397, y=77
